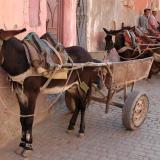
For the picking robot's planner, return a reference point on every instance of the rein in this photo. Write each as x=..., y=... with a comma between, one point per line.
x=133, y=57
x=136, y=49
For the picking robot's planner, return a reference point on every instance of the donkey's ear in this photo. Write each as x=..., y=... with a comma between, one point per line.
x=106, y=30
x=23, y=30
x=5, y=35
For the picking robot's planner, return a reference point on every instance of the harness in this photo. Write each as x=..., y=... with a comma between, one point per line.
x=130, y=38
x=21, y=77
x=123, y=49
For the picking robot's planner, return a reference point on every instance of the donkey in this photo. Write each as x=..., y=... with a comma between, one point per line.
x=14, y=61
x=128, y=53
x=125, y=53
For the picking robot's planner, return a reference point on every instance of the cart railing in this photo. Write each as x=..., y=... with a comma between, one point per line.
x=121, y=73
x=130, y=71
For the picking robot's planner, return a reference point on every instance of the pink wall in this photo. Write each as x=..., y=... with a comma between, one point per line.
x=140, y=5
x=15, y=15
x=20, y=14
x=69, y=23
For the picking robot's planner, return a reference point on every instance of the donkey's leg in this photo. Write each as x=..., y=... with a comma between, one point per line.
x=29, y=123
x=83, y=101
x=22, y=144
x=74, y=116
x=23, y=103
x=82, y=121
x=23, y=138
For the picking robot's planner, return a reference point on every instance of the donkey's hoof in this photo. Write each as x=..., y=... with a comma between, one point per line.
x=70, y=131
x=19, y=150
x=81, y=135
x=27, y=153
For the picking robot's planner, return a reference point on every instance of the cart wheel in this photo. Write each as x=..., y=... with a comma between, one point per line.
x=135, y=110
x=70, y=102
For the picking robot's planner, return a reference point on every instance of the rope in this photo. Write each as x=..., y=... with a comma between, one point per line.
x=141, y=53
x=49, y=79
x=49, y=108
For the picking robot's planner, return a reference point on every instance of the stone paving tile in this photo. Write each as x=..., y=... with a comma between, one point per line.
x=106, y=138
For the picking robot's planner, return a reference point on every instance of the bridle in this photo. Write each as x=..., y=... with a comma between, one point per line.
x=1, y=56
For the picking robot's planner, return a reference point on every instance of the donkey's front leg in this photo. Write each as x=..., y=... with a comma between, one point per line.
x=23, y=103
x=22, y=144
x=28, y=124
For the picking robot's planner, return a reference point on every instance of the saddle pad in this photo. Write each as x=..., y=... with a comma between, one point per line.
x=44, y=49
x=130, y=38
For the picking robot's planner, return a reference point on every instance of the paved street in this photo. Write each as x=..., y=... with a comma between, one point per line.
x=106, y=138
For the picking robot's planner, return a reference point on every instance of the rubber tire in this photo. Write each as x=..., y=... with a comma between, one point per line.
x=128, y=108
x=70, y=103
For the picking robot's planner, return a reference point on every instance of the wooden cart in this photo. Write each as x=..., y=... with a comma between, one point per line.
x=120, y=76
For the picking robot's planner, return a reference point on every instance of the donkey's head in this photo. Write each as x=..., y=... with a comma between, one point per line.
x=109, y=39
x=6, y=35
x=12, y=53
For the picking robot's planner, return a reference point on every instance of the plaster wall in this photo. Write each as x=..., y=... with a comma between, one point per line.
x=69, y=23
x=15, y=15
x=109, y=14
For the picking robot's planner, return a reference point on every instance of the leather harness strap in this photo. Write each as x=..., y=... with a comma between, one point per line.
x=123, y=49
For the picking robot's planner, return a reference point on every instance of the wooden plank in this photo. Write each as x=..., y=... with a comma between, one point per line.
x=130, y=71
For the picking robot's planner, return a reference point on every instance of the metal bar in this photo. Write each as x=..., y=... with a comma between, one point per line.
x=107, y=65
x=149, y=44
x=98, y=99
x=102, y=100
x=80, y=65
x=119, y=105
